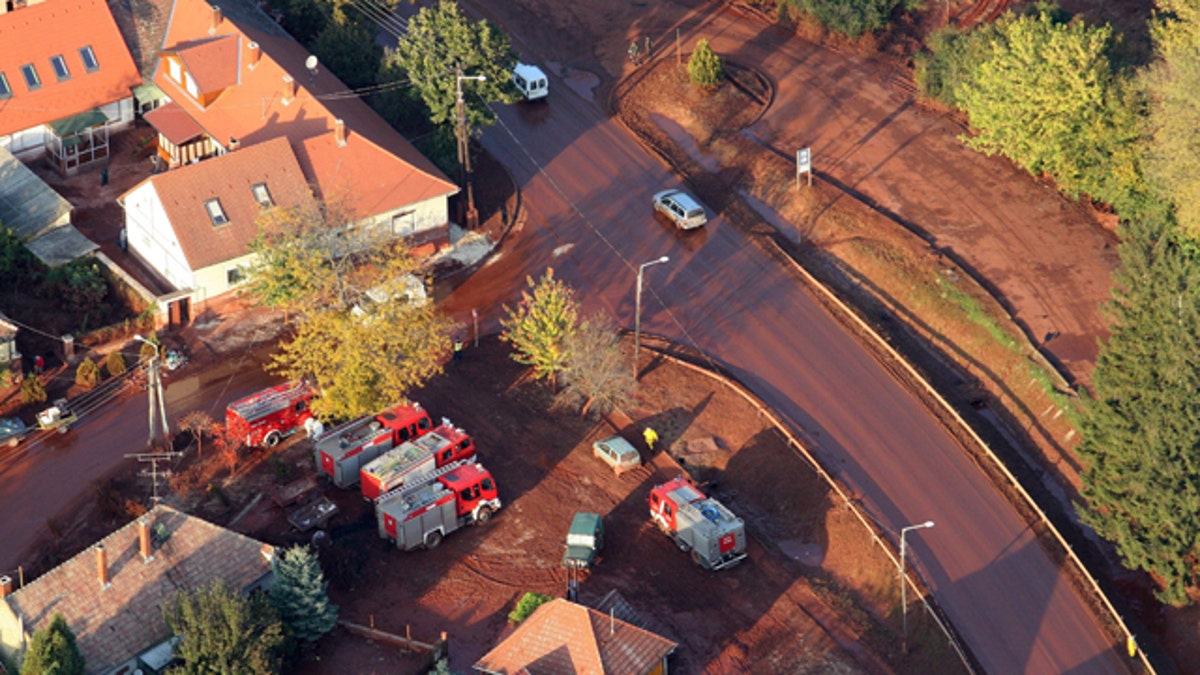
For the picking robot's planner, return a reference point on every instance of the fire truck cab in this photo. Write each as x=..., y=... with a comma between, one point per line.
x=414, y=459
x=422, y=514
x=342, y=452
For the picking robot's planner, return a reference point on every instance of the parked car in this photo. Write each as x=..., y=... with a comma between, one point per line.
x=585, y=539
x=12, y=430
x=680, y=208
x=617, y=453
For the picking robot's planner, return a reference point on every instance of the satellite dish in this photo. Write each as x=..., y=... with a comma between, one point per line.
x=311, y=63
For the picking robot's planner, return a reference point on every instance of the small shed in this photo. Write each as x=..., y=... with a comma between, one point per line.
x=38, y=215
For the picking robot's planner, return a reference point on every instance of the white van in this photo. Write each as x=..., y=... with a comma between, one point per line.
x=531, y=81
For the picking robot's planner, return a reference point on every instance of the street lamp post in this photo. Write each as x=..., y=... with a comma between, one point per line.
x=464, y=150
x=903, y=580
x=637, y=312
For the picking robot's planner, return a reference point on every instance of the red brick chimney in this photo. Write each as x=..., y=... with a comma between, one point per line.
x=214, y=18
x=102, y=565
x=144, y=540
x=255, y=52
x=289, y=89
x=339, y=131
x=6, y=585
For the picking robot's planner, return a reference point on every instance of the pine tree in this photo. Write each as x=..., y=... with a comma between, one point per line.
x=1141, y=431
x=52, y=651
x=299, y=593
x=705, y=68
x=539, y=325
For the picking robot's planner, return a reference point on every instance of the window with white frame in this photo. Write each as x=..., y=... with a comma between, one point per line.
x=89, y=59
x=262, y=195
x=175, y=70
x=189, y=83
x=404, y=223
x=60, y=67
x=5, y=90
x=215, y=212
x=235, y=275
x=31, y=77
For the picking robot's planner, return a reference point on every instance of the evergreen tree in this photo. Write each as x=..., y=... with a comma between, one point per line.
x=87, y=375
x=32, y=390
x=1141, y=431
x=704, y=67
x=540, y=324
x=224, y=633
x=52, y=651
x=299, y=594
x=114, y=363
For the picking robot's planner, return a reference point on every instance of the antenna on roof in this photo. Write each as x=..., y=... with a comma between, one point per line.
x=311, y=63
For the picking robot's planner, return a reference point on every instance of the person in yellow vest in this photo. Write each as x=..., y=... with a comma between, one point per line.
x=651, y=437
x=458, y=347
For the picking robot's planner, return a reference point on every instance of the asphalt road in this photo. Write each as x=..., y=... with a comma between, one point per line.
x=586, y=188
x=55, y=470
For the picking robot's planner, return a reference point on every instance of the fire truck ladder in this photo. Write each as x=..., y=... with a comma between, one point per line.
x=407, y=490
x=267, y=402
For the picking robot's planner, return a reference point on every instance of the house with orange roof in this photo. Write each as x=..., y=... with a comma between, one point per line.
x=235, y=79
x=564, y=637
x=66, y=80
x=194, y=225
x=113, y=593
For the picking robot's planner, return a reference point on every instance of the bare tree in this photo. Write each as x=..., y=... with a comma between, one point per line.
x=197, y=423
x=597, y=374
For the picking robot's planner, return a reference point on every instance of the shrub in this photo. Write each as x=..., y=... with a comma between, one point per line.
x=87, y=374
x=32, y=390
x=114, y=363
x=705, y=67
x=526, y=605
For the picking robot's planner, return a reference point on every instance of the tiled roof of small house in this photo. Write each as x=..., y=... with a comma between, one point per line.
x=114, y=623
x=564, y=637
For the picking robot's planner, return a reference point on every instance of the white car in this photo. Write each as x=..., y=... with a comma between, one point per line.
x=618, y=453
x=531, y=81
x=680, y=208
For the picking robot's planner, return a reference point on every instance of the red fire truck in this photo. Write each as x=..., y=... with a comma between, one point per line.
x=413, y=459
x=266, y=417
x=700, y=524
x=342, y=452
x=423, y=513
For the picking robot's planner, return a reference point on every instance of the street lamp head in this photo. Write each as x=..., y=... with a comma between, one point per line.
x=928, y=523
x=664, y=259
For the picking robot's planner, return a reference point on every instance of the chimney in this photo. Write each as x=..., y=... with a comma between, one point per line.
x=289, y=89
x=255, y=52
x=144, y=540
x=102, y=565
x=339, y=131
x=234, y=144
x=5, y=586
x=215, y=18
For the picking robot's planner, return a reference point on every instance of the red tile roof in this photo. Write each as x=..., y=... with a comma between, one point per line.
x=212, y=62
x=173, y=123
x=563, y=637
x=228, y=178
x=376, y=170
x=35, y=33
x=115, y=623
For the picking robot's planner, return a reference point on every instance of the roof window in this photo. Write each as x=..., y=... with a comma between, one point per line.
x=5, y=90
x=89, y=59
x=215, y=212
x=31, y=76
x=262, y=195
x=60, y=67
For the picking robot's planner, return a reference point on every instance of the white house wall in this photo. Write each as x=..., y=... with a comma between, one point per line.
x=213, y=280
x=149, y=234
x=32, y=141
x=415, y=218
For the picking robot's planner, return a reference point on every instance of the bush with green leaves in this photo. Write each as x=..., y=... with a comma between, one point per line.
x=87, y=374
x=17, y=264
x=32, y=390
x=851, y=18
x=79, y=285
x=538, y=326
x=224, y=632
x=115, y=364
x=704, y=67
x=526, y=606
x=52, y=651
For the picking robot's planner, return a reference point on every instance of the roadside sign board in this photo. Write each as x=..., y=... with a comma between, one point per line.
x=804, y=165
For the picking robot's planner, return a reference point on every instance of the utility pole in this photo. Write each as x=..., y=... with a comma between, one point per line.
x=470, y=216
x=154, y=458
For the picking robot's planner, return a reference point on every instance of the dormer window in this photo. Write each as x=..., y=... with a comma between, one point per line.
x=31, y=76
x=176, y=70
x=5, y=90
x=89, y=59
x=189, y=83
x=262, y=195
x=60, y=67
x=215, y=212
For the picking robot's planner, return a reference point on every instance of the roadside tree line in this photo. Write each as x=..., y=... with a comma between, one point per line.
x=1059, y=97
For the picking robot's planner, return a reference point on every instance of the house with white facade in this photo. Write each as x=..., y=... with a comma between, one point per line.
x=66, y=82
x=236, y=80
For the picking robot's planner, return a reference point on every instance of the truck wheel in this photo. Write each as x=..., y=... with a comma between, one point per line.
x=484, y=515
x=12, y=442
x=433, y=539
x=696, y=558
x=683, y=545
x=63, y=429
x=272, y=439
